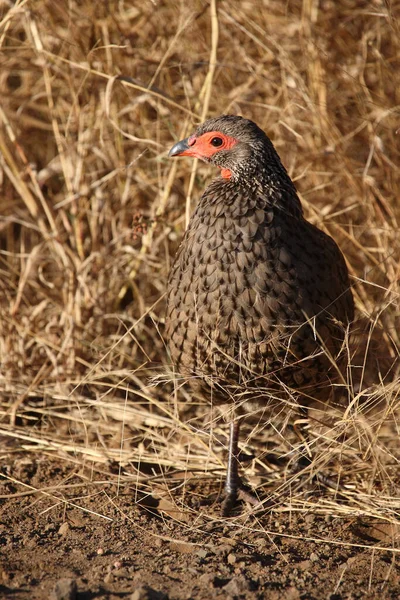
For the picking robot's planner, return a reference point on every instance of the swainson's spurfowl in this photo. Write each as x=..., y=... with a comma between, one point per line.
x=258, y=298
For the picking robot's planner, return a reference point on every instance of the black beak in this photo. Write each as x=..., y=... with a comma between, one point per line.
x=179, y=148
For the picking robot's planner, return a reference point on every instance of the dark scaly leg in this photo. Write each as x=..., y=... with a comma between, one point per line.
x=232, y=481
x=234, y=488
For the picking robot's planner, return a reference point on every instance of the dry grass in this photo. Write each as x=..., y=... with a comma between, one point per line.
x=93, y=95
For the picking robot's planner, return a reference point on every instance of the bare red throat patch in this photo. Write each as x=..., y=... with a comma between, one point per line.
x=226, y=173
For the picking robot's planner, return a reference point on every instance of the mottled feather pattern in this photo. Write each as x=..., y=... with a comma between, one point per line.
x=257, y=295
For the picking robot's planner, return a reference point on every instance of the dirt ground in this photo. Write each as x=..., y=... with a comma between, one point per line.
x=114, y=544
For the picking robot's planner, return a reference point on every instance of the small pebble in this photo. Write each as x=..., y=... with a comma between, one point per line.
x=144, y=592
x=237, y=586
x=64, y=529
x=261, y=542
x=109, y=578
x=64, y=589
x=304, y=565
x=121, y=573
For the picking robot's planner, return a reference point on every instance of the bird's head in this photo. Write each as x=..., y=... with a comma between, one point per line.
x=234, y=144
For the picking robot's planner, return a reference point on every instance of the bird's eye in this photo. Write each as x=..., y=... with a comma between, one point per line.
x=217, y=141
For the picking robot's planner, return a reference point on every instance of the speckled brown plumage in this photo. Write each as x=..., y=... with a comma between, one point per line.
x=257, y=295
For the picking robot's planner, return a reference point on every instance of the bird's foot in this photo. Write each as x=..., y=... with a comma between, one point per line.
x=241, y=493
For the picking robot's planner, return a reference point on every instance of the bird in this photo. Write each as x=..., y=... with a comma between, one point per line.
x=258, y=298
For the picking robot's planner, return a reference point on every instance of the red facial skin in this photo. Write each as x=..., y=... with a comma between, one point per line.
x=201, y=147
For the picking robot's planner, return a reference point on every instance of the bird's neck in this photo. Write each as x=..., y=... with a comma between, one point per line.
x=280, y=192
x=263, y=174
x=273, y=190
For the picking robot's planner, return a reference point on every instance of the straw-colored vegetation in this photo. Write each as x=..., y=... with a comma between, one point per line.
x=93, y=95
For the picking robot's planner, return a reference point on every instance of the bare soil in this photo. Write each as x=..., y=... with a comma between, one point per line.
x=114, y=544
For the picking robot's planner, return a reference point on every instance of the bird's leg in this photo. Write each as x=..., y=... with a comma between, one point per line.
x=233, y=485
x=232, y=481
